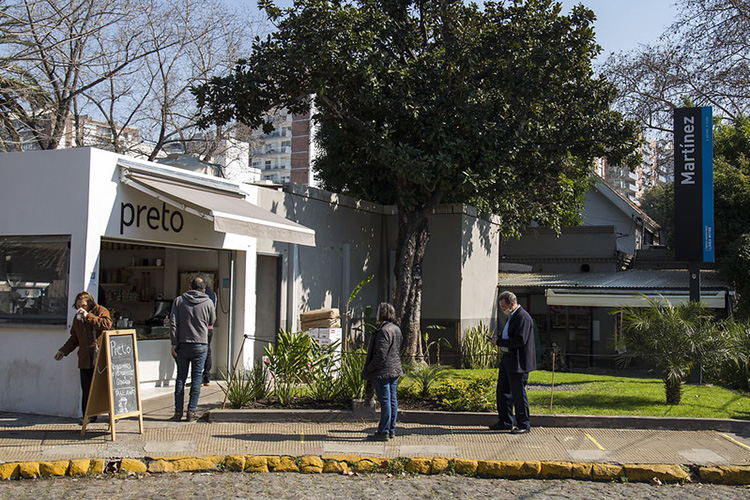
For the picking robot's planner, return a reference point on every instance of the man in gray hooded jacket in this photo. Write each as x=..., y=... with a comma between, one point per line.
x=192, y=313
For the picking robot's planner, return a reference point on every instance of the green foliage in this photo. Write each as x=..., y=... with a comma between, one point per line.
x=243, y=388
x=729, y=360
x=350, y=379
x=424, y=377
x=323, y=384
x=476, y=351
x=477, y=394
x=348, y=311
x=421, y=103
x=289, y=363
x=673, y=337
x=438, y=100
x=435, y=343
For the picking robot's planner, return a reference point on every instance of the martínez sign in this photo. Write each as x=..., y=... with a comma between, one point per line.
x=693, y=185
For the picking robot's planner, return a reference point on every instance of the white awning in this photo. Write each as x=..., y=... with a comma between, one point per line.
x=230, y=212
x=610, y=298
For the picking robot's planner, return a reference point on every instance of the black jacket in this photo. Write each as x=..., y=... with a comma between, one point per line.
x=384, y=353
x=520, y=343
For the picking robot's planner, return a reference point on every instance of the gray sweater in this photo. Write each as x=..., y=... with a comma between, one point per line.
x=192, y=313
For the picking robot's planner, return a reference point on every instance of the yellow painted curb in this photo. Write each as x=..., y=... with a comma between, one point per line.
x=556, y=470
x=313, y=464
x=515, y=469
x=725, y=474
x=335, y=466
x=418, y=465
x=56, y=468
x=649, y=472
x=258, y=464
x=235, y=463
x=79, y=467
x=606, y=472
x=466, y=467
x=132, y=466
x=9, y=470
x=28, y=470
x=286, y=464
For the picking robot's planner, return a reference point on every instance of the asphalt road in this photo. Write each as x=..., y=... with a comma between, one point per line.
x=370, y=486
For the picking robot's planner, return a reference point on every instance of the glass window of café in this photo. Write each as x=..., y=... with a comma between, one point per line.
x=34, y=279
x=133, y=288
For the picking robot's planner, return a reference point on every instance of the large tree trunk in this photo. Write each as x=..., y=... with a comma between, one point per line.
x=413, y=235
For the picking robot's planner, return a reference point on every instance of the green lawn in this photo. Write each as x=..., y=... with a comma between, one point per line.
x=582, y=394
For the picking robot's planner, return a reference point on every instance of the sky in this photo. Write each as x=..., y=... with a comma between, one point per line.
x=621, y=25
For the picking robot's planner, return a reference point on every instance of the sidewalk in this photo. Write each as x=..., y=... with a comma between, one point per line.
x=329, y=433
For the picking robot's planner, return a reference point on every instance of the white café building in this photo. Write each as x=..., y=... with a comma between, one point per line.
x=133, y=233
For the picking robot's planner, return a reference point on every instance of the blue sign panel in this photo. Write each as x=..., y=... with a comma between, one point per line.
x=694, y=184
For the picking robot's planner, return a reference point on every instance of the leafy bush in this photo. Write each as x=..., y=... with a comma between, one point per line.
x=351, y=383
x=425, y=376
x=459, y=395
x=289, y=363
x=243, y=388
x=730, y=369
x=476, y=351
x=324, y=366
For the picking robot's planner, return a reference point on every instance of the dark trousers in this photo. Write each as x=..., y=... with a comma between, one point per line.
x=87, y=375
x=511, y=395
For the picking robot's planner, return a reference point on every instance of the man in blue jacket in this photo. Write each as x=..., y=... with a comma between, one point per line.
x=519, y=358
x=192, y=313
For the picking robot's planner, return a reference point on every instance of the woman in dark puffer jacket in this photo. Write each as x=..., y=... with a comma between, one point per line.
x=383, y=368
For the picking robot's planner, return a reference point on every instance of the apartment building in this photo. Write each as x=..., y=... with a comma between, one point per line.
x=286, y=154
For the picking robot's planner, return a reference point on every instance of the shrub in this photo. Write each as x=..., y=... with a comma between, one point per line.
x=459, y=395
x=476, y=351
x=289, y=363
x=243, y=388
x=351, y=383
x=425, y=376
x=323, y=368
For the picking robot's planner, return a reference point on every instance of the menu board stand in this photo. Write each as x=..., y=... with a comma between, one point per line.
x=115, y=385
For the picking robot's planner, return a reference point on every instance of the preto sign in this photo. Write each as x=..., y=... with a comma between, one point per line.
x=693, y=184
x=151, y=217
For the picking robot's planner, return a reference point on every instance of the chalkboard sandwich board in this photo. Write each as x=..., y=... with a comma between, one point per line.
x=115, y=385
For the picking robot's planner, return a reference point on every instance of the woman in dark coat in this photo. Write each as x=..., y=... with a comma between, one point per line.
x=383, y=368
x=90, y=321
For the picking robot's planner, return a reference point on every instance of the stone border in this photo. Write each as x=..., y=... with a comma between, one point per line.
x=482, y=419
x=350, y=464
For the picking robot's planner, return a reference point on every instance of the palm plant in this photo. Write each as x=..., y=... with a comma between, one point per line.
x=673, y=337
x=425, y=376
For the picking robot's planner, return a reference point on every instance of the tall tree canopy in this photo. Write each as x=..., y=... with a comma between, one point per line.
x=704, y=57
x=127, y=63
x=423, y=102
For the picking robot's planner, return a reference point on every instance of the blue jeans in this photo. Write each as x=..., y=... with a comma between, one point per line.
x=191, y=356
x=386, y=390
x=511, y=395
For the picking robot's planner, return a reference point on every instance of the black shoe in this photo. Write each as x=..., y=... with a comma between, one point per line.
x=519, y=430
x=391, y=435
x=499, y=426
x=177, y=416
x=378, y=436
x=191, y=416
